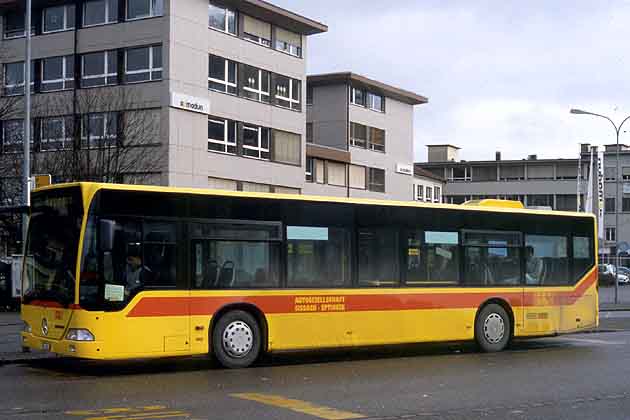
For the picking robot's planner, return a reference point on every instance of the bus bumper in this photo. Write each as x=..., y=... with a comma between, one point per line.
x=83, y=349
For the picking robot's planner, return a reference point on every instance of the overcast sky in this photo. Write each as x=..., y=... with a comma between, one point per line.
x=499, y=75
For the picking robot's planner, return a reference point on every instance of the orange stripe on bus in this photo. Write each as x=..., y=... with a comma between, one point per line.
x=286, y=304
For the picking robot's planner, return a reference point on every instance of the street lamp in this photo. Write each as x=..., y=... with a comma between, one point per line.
x=618, y=172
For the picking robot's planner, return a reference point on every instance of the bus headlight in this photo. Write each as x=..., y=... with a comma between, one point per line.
x=79, y=334
x=27, y=328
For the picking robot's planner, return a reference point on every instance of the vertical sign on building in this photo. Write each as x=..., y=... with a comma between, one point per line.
x=600, y=194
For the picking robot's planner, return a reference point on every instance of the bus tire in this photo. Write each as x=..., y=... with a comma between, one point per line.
x=236, y=339
x=493, y=328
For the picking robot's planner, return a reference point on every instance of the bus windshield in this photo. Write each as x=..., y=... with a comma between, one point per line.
x=52, y=245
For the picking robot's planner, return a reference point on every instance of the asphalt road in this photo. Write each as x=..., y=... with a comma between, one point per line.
x=572, y=377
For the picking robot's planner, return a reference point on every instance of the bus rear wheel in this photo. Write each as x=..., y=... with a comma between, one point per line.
x=493, y=328
x=236, y=339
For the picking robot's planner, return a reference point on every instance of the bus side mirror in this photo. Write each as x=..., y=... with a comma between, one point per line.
x=106, y=234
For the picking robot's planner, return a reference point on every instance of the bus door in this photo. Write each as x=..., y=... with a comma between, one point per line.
x=147, y=271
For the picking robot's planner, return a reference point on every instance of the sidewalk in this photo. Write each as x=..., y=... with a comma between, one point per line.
x=10, y=347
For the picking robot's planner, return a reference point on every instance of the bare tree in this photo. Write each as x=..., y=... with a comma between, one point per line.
x=103, y=135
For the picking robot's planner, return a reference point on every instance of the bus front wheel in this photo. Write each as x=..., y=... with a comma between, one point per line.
x=236, y=339
x=493, y=328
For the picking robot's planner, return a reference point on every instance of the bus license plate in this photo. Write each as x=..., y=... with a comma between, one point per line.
x=46, y=346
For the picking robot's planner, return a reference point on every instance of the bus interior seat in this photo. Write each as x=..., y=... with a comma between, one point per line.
x=226, y=275
x=212, y=274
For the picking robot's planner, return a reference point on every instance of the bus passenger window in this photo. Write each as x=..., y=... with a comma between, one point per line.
x=442, y=249
x=582, y=257
x=492, y=258
x=160, y=254
x=378, y=257
x=318, y=257
x=547, y=260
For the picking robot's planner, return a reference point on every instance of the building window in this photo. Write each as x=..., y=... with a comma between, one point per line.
x=309, y=95
x=58, y=18
x=609, y=205
x=320, y=172
x=99, y=129
x=143, y=64
x=460, y=174
x=309, y=169
x=12, y=136
x=14, y=78
x=288, y=92
x=429, y=194
x=625, y=173
x=420, y=193
x=357, y=177
x=56, y=133
x=377, y=139
x=358, y=96
x=99, y=69
x=222, y=136
x=358, y=135
x=222, y=75
x=610, y=173
x=309, y=132
x=256, y=142
x=336, y=173
x=288, y=42
x=625, y=204
x=437, y=191
x=376, y=102
x=14, y=25
x=100, y=12
x=376, y=180
x=57, y=73
x=256, y=31
x=222, y=19
x=540, y=200
x=287, y=147
x=140, y=9
x=255, y=83
x=611, y=234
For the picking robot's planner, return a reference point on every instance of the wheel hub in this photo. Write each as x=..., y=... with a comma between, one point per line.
x=493, y=328
x=237, y=339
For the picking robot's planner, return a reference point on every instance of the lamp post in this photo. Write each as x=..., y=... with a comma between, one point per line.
x=26, y=167
x=617, y=131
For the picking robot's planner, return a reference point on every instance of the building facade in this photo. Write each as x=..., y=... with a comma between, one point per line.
x=617, y=200
x=359, y=137
x=537, y=183
x=427, y=187
x=220, y=84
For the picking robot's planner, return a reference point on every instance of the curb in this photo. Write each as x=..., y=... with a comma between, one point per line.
x=17, y=358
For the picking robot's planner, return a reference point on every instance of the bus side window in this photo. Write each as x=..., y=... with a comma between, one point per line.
x=547, y=260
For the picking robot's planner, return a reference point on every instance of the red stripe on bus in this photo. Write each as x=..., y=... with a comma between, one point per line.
x=286, y=304
x=45, y=304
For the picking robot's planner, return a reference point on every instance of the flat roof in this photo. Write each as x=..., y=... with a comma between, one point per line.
x=379, y=87
x=420, y=172
x=444, y=145
x=256, y=8
x=510, y=162
x=277, y=15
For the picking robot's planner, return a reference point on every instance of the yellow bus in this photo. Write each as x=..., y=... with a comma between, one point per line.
x=119, y=272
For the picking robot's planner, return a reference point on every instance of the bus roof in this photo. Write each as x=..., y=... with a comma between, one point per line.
x=92, y=187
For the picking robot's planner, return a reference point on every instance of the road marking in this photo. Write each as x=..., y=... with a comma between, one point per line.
x=127, y=413
x=593, y=341
x=299, y=406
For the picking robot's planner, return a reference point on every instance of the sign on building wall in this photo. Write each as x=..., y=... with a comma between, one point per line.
x=405, y=169
x=190, y=103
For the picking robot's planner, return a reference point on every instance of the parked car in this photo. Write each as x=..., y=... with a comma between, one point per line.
x=625, y=272
x=606, y=275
